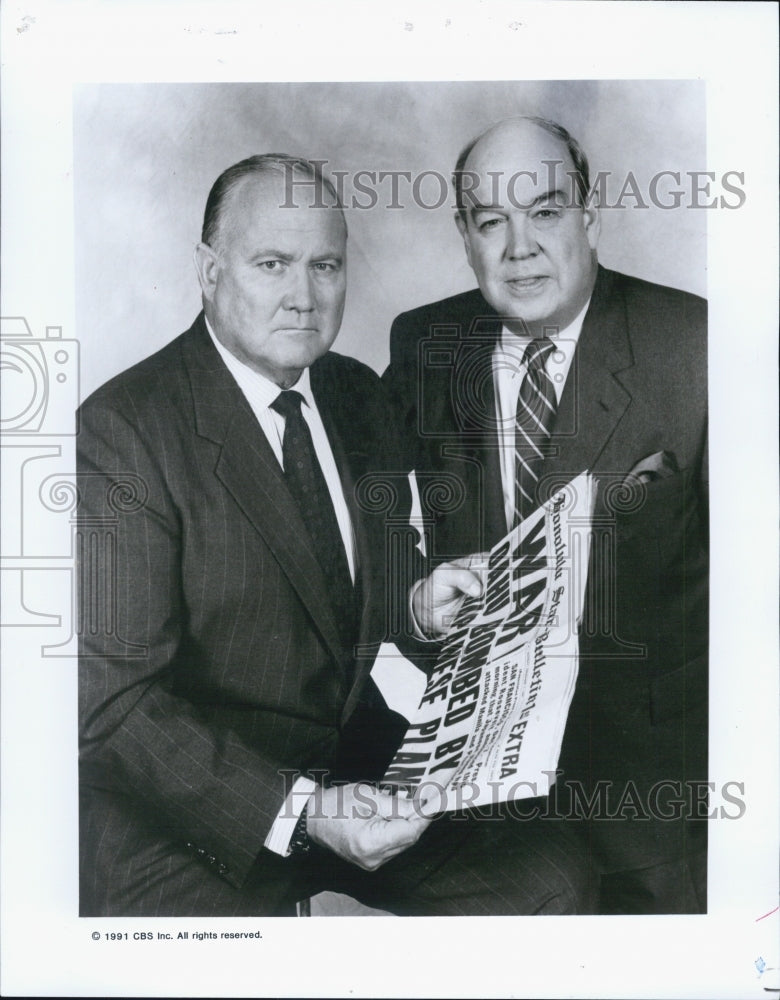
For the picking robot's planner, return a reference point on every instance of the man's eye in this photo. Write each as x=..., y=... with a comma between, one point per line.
x=489, y=224
x=545, y=214
x=325, y=266
x=270, y=265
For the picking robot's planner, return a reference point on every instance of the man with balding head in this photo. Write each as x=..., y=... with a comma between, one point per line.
x=228, y=757
x=552, y=367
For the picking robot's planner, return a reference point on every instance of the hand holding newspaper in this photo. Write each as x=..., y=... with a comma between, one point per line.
x=490, y=723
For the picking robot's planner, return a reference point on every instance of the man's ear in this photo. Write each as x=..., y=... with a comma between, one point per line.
x=207, y=266
x=463, y=229
x=591, y=220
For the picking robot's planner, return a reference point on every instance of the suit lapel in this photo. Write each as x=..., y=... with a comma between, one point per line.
x=353, y=460
x=473, y=404
x=594, y=400
x=249, y=471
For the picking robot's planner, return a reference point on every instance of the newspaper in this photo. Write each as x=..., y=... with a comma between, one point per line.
x=490, y=724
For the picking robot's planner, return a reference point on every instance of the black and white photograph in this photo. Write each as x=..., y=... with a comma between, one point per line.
x=384, y=534
x=206, y=711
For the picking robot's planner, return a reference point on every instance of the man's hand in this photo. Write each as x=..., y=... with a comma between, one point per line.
x=363, y=825
x=437, y=599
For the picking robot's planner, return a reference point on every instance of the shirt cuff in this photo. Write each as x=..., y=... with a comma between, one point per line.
x=278, y=839
x=416, y=630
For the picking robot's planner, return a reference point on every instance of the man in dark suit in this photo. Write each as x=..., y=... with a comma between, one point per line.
x=233, y=592
x=619, y=390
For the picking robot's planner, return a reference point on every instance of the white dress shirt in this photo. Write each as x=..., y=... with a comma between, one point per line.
x=260, y=392
x=508, y=374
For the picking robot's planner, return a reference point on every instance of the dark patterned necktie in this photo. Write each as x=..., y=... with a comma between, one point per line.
x=307, y=484
x=536, y=405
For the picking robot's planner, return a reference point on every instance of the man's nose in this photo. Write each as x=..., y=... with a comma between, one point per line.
x=299, y=295
x=521, y=239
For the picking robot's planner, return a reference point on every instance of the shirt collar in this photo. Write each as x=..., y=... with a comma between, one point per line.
x=254, y=385
x=569, y=335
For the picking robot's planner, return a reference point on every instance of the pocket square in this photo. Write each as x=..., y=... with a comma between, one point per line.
x=659, y=465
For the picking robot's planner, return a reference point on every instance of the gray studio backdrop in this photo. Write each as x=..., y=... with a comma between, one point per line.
x=145, y=156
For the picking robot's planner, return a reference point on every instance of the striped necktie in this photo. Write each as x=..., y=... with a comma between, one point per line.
x=536, y=405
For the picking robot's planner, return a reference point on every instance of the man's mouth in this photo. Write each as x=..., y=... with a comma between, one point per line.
x=527, y=284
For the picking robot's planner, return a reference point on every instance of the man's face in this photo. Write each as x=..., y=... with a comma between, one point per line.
x=274, y=285
x=534, y=259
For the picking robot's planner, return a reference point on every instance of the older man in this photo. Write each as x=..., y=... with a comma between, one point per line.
x=230, y=625
x=552, y=367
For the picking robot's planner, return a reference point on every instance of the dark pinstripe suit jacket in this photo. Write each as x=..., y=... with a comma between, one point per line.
x=210, y=658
